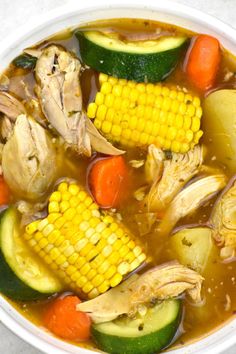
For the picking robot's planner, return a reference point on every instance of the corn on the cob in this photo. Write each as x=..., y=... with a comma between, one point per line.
x=136, y=114
x=88, y=249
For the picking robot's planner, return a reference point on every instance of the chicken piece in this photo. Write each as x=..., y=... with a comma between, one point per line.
x=224, y=221
x=59, y=92
x=10, y=106
x=154, y=164
x=29, y=159
x=176, y=173
x=11, y=109
x=160, y=283
x=189, y=199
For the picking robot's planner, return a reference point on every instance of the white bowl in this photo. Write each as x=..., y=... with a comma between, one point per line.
x=72, y=15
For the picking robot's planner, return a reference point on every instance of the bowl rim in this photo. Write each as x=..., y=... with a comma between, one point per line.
x=8, y=313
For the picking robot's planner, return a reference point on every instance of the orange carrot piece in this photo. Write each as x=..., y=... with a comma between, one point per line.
x=107, y=180
x=203, y=61
x=62, y=319
x=4, y=192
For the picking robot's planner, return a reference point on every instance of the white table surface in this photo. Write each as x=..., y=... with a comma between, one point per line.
x=16, y=12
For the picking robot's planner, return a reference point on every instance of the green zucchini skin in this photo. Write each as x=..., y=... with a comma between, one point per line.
x=147, y=344
x=152, y=67
x=13, y=287
x=13, y=283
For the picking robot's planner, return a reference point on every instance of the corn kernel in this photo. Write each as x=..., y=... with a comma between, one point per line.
x=87, y=287
x=97, y=280
x=173, y=94
x=174, y=106
x=48, y=229
x=150, y=88
x=32, y=227
x=103, y=267
x=166, y=104
x=148, y=127
x=92, y=109
x=141, y=87
x=81, y=282
x=116, y=130
x=97, y=123
x=80, y=244
x=69, y=214
x=113, y=80
x=93, y=293
x=62, y=187
x=163, y=131
x=180, y=96
x=70, y=270
x=134, y=265
x=157, y=90
x=123, y=268
x=117, y=90
x=126, y=92
x=116, y=280
x=101, y=112
x=85, y=269
x=55, y=196
x=175, y=146
x=80, y=262
x=95, y=238
x=143, y=138
x=178, y=121
x=99, y=98
x=42, y=224
x=103, y=287
x=53, y=207
x=198, y=112
x=158, y=102
x=195, y=124
x=106, y=127
x=167, y=144
x=197, y=136
x=114, y=257
x=133, y=95
x=123, y=250
x=103, y=78
x=187, y=122
x=126, y=133
x=106, y=88
x=165, y=91
x=64, y=205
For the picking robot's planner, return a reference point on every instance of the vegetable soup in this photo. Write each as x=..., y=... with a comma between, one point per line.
x=118, y=185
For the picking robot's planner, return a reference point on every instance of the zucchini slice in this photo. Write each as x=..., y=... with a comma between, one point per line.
x=142, y=335
x=23, y=276
x=141, y=61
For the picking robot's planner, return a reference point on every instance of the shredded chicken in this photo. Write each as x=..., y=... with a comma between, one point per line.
x=154, y=164
x=29, y=159
x=224, y=222
x=10, y=106
x=176, y=173
x=57, y=73
x=160, y=283
x=189, y=199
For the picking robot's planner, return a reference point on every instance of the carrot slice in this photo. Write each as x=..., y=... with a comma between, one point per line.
x=107, y=180
x=4, y=192
x=62, y=319
x=203, y=61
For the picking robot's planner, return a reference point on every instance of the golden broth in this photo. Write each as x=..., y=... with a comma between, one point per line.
x=220, y=285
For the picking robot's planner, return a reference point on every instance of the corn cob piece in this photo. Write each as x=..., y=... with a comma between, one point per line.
x=87, y=248
x=137, y=114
